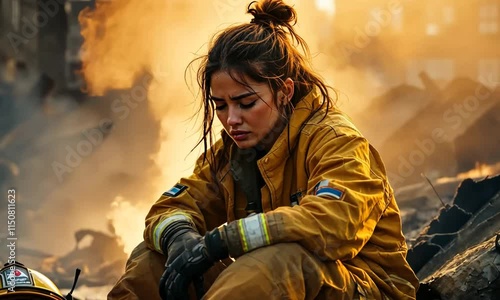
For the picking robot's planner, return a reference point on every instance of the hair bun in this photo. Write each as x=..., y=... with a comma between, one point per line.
x=269, y=12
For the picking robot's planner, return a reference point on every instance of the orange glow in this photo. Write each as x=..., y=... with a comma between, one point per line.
x=479, y=172
x=121, y=39
x=125, y=41
x=327, y=6
x=128, y=221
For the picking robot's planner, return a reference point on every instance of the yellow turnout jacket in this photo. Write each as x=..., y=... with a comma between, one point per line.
x=346, y=208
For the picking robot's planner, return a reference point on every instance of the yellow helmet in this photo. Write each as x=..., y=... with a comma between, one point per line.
x=19, y=282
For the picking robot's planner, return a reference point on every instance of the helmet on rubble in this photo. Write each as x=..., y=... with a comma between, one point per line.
x=19, y=282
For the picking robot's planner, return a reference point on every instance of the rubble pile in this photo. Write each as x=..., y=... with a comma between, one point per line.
x=456, y=256
x=99, y=255
x=437, y=132
x=419, y=203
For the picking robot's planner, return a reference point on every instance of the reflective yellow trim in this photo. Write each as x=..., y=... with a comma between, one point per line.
x=264, y=226
x=160, y=227
x=243, y=235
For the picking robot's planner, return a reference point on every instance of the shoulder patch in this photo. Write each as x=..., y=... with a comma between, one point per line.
x=325, y=189
x=175, y=190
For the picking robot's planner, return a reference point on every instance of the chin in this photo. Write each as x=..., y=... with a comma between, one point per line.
x=245, y=144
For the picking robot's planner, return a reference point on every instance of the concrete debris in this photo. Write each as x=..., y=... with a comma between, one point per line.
x=497, y=243
x=101, y=261
x=455, y=255
x=426, y=130
x=472, y=274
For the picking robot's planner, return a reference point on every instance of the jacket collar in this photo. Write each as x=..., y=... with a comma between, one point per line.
x=290, y=135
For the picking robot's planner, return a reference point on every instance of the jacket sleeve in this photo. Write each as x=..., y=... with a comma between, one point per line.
x=346, y=197
x=198, y=199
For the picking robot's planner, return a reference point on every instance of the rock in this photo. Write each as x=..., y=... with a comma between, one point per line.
x=461, y=260
x=472, y=148
x=472, y=274
x=101, y=261
x=470, y=196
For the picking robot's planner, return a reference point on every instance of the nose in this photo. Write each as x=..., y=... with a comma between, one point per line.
x=234, y=115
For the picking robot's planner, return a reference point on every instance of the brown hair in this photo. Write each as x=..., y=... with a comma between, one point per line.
x=264, y=50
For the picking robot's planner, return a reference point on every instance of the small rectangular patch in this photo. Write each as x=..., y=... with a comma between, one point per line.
x=329, y=192
x=16, y=275
x=175, y=190
x=324, y=189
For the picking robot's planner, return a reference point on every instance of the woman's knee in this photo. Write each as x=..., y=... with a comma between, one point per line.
x=144, y=260
x=142, y=274
x=280, y=271
x=271, y=272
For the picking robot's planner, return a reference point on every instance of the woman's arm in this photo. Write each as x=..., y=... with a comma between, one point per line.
x=197, y=199
x=345, y=200
x=346, y=196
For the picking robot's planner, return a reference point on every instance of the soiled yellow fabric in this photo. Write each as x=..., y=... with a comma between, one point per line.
x=281, y=271
x=362, y=229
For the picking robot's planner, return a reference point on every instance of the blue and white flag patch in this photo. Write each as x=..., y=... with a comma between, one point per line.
x=324, y=189
x=175, y=190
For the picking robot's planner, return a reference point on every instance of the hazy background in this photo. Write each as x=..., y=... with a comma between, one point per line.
x=108, y=127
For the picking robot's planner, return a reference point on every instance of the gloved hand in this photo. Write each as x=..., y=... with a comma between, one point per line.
x=190, y=266
x=176, y=238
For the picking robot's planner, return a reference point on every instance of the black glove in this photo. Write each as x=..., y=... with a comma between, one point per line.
x=176, y=237
x=191, y=265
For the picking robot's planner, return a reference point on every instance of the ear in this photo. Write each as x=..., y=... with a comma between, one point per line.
x=287, y=90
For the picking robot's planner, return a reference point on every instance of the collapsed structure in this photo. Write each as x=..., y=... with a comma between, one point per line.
x=457, y=254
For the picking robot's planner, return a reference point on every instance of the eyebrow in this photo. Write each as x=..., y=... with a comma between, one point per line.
x=235, y=98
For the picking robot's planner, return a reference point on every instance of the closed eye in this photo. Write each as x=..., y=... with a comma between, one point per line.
x=247, y=106
x=220, y=104
x=220, y=107
x=241, y=105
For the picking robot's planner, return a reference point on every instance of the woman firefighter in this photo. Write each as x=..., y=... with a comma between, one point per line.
x=291, y=190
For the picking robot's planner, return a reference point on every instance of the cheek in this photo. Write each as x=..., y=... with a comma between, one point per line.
x=221, y=116
x=264, y=112
x=264, y=119
x=269, y=114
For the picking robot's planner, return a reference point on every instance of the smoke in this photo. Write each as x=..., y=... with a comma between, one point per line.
x=134, y=58
x=135, y=55
x=83, y=172
x=126, y=41
x=147, y=57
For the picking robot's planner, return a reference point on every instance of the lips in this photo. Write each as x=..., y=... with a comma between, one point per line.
x=239, y=135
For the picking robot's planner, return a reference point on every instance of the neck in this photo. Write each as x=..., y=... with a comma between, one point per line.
x=268, y=141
